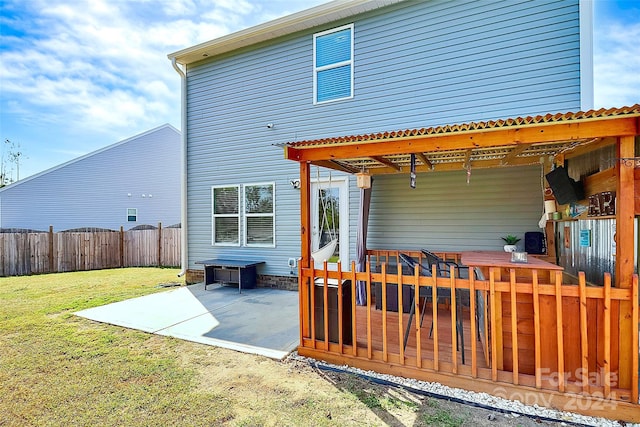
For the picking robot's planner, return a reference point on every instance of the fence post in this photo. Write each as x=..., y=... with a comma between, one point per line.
x=159, y=244
x=121, y=246
x=51, y=253
x=2, y=251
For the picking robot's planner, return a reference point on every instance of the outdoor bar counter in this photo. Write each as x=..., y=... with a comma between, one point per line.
x=497, y=266
x=501, y=261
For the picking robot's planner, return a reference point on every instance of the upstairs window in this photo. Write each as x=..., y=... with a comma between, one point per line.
x=333, y=64
x=259, y=214
x=132, y=214
x=226, y=215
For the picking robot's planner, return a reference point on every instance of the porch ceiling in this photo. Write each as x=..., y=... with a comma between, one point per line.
x=518, y=141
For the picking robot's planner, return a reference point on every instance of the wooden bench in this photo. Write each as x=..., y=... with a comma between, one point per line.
x=241, y=273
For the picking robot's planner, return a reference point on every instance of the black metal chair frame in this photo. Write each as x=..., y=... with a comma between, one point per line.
x=443, y=266
x=426, y=293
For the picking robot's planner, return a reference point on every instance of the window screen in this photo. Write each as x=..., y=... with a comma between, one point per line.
x=259, y=215
x=226, y=215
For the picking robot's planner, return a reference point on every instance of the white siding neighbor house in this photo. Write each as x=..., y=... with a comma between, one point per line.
x=130, y=183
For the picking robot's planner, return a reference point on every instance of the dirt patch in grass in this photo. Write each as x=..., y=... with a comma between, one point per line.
x=294, y=393
x=58, y=369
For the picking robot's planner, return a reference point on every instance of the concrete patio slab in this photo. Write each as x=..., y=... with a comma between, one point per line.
x=259, y=321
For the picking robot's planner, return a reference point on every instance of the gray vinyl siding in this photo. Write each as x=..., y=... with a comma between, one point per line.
x=444, y=213
x=417, y=64
x=92, y=191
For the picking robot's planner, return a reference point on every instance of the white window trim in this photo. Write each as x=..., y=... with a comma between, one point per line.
x=586, y=55
x=214, y=216
x=337, y=64
x=254, y=215
x=136, y=214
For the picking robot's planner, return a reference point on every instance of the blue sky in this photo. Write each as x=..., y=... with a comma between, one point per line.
x=78, y=75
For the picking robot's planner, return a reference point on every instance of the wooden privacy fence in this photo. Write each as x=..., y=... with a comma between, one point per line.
x=24, y=253
x=534, y=339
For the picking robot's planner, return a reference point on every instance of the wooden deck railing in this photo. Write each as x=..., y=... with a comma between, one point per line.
x=529, y=338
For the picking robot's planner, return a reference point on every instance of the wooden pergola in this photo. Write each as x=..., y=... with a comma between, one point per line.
x=491, y=144
x=510, y=142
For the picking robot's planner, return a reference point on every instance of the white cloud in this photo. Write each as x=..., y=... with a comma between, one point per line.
x=101, y=65
x=98, y=69
x=81, y=74
x=177, y=7
x=242, y=7
x=617, y=65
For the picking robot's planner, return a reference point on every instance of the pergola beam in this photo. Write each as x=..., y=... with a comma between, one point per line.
x=335, y=165
x=386, y=162
x=591, y=146
x=515, y=153
x=498, y=137
x=424, y=160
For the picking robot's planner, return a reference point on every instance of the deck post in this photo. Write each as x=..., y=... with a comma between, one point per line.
x=514, y=326
x=305, y=242
x=625, y=213
x=354, y=330
x=474, y=325
x=536, y=329
x=625, y=253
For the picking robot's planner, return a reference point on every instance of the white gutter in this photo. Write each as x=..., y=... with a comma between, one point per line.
x=183, y=187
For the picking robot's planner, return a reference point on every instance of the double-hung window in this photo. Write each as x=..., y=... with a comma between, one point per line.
x=132, y=214
x=226, y=215
x=333, y=64
x=254, y=218
x=259, y=215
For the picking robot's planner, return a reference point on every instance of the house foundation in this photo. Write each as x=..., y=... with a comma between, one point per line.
x=287, y=283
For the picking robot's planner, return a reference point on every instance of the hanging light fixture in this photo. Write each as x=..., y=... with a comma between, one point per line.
x=363, y=179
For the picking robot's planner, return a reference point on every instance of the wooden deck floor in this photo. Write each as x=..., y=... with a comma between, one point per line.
x=395, y=335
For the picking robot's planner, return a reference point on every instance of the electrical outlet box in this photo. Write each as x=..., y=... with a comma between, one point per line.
x=292, y=262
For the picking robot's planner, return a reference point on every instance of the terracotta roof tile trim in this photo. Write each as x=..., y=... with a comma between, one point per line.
x=602, y=113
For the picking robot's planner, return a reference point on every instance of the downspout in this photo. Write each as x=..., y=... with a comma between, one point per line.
x=183, y=187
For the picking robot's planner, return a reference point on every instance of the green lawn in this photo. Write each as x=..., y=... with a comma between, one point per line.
x=57, y=369
x=60, y=369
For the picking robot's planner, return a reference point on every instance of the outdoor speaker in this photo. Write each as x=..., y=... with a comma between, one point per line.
x=565, y=189
x=534, y=243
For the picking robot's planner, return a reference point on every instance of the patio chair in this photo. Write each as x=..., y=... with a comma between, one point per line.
x=426, y=293
x=461, y=272
x=443, y=266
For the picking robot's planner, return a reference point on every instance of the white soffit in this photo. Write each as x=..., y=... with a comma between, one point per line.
x=303, y=20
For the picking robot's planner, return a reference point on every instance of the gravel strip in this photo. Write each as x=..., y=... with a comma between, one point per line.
x=484, y=400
